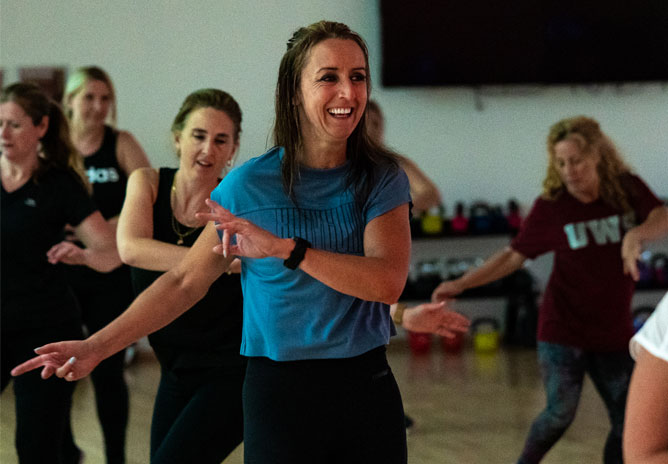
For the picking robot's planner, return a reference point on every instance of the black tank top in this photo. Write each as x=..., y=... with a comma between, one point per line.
x=108, y=181
x=208, y=334
x=106, y=176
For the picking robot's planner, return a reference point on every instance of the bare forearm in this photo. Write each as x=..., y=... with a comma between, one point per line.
x=157, y=306
x=655, y=226
x=154, y=255
x=499, y=265
x=367, y=278
x=102, y=260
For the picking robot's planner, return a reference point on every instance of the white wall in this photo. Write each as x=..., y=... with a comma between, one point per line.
x=487, y=145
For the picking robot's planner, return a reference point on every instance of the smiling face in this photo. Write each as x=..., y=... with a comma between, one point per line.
x=19, y=136
x=206, y=143
x=333, y=91
x=91, y=104
x=577, y=169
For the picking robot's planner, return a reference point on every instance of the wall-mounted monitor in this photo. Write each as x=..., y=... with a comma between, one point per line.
x=490, y=42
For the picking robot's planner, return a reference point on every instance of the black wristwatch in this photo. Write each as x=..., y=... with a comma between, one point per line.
x=297, y=253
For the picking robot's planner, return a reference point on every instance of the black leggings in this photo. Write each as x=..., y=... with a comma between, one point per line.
x=42, y=406
x=197, y=415
x=324, y=411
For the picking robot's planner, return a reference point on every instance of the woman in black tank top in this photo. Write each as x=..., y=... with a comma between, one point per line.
x=197, y=413
x=109, y=157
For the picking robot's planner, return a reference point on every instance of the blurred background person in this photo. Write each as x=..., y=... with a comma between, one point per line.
x=424, y=193
x=43, y=189
x=110, y=156
x=595, y=215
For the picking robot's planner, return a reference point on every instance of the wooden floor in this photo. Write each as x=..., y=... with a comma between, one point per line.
x=469, y=408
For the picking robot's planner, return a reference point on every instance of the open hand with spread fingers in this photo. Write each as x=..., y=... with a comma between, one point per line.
x=251, y=241
x=435, y=318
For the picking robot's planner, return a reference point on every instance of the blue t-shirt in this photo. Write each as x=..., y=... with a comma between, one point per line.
x=289, y=315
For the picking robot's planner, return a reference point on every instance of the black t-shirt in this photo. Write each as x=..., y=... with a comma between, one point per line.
x=208, y=334
x=35, y=293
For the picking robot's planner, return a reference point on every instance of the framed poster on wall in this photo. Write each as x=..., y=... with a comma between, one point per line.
x=51, y=79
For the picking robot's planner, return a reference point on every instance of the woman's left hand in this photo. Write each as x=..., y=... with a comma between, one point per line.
x=66, y=252
x=631, y=250
x=251, y=241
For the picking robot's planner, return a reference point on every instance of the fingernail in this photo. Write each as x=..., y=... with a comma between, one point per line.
x=72, y=360
x=36, y=350
x=224, y=252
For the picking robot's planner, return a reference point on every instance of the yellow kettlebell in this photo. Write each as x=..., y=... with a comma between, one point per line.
x=485, y=334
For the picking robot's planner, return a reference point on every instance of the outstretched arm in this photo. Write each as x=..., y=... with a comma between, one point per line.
x=434, y=318
x=166, y=299
x=499, y=265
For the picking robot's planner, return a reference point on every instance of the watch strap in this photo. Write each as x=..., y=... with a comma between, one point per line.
x=297, y=254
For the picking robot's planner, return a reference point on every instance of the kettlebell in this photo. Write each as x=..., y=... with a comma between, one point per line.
x=459, y=223
x=480, y=221
x=485, y=334
x=432, y=221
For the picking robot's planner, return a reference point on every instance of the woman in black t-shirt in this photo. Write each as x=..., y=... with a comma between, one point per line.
x=42, y=190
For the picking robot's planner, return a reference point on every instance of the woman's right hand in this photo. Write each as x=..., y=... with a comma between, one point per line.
x=446, y=290
x=251, y=241
x=71, y=360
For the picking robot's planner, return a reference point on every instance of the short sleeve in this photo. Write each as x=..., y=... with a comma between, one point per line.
x=390, y=190
x=653, y=336
x=534, y=237
x=642, y=198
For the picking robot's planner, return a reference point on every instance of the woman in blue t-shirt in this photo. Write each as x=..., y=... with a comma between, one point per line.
x=321, y=224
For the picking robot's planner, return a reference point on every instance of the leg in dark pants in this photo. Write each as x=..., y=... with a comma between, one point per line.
x=562, y=369
x=611, y=374
x=197, y=416
x=42, y=406
x=102, y=298
x=324, y=411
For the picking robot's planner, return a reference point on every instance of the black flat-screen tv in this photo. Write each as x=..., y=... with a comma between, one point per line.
x=491, y=42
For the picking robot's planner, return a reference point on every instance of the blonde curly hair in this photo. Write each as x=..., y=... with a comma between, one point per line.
x=587, y=134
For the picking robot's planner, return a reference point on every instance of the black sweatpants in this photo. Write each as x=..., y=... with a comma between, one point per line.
x=324, y=411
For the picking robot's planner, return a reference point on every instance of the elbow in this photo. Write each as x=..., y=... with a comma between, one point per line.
x=127, y=255
x=390, y=292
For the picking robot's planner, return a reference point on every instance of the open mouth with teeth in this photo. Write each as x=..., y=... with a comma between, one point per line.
x=340, y=112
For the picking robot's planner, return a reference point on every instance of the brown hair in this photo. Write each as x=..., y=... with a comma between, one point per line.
x=363, y=153
x=587, y=134
x=57, y=150
x=209, y=98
